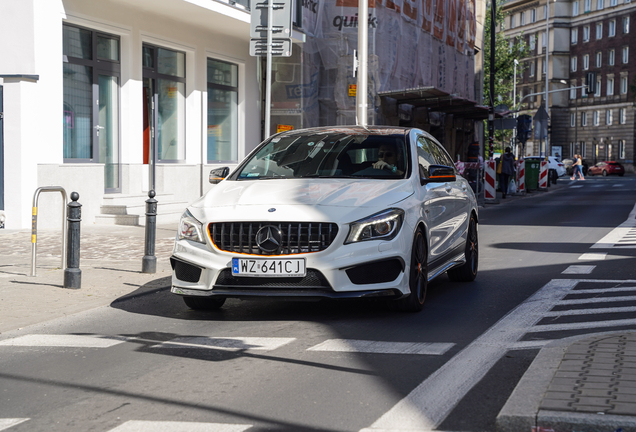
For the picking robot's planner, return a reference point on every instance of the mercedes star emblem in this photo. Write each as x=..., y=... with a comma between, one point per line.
x=269, y=238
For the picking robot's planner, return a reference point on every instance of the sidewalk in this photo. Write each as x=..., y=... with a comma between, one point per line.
x=110, y=261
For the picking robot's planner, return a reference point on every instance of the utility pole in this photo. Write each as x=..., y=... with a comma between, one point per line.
x=363, y=50
x=491, y=115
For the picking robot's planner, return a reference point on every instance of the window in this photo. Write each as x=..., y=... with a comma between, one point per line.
x=573, y=64
x=164, y=84
x=584, y=119
x=91, y=86
x=544, y=39
x=533, y=15
x=613, y=2
x=573, y=90
x=587, y=6
x=610, y=59
x=583, y=149
x=608, y=117
x=621, y=149
x=622, y=116
x=575, y=8
x=599, y=30
x=598, y=87
x=512, y=21
x=599, y=4
x=545, y=11
x=586, y=62
x=543, y=68
x=610, y=86
x=533, y=42
x=522, y=18
x=599, y=59
x=223, y=110
x=572, y=119
x=625, y=54
x=623, y=85
x=595, y=118
x=586, y=33
x=532, y=68
x=626, y=25
x=574, y=35
x=611, y=28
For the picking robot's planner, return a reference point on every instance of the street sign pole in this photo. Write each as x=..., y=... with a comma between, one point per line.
x=363, y=48
x=268, y=73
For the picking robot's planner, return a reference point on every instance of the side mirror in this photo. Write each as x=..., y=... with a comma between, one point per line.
x=440, y=174
x=218, y=174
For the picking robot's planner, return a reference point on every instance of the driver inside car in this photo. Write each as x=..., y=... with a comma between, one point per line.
x=388, y=159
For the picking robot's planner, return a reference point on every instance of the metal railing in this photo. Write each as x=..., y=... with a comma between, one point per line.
x=34, y=224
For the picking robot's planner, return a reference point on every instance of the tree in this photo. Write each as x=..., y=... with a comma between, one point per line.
x=507, y=50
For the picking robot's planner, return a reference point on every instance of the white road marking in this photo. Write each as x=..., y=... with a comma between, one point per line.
x=578, y=269
x=593, y=256
x=576, y=186
x=6, y=423
x=604, y=290
x=593, y=311
x=582, y=325
x=173, y=426
x=429, y=403
x=226, y=343
x=66, y=341
x=596, y=300
x=377, y=347
x=623, y=236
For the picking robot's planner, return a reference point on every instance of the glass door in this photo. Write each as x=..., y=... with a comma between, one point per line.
x=108, y=130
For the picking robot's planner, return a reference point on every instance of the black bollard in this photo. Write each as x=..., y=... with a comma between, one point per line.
x=72, y=272
x=149, y=262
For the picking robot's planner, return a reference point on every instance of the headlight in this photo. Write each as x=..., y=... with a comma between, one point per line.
x=380, y=226
x=190, y=228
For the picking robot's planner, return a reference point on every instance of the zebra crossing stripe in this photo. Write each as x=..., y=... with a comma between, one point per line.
x=582, y=325
x=226, y=343
x=596, y=300
x=623, y=236
x=578, y=269
x=593, y=311
x=378, y=347
x=66, y=341
x=173, y=426
x=6, y=423
x=593, y=256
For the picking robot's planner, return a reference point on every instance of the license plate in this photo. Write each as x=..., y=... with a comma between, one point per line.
x=293, y=267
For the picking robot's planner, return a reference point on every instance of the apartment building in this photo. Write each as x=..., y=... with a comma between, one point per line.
x=587, y=39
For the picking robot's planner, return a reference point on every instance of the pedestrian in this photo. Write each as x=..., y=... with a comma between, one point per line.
x=577, y=167
x=507, y=170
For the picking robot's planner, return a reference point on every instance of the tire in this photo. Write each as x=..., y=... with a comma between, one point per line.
x=204, y=303
x=467, y=272
x=589, y=173
x=604, y=173
x=418, y=277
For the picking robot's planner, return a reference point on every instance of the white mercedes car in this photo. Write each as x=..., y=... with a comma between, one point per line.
x=330, y=212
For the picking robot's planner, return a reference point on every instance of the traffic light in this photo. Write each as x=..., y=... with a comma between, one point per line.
x=590, y=82
x=524, y=128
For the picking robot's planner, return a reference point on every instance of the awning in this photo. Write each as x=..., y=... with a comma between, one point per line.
x=438, y=101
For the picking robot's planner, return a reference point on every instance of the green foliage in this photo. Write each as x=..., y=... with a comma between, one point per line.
x=505, y=55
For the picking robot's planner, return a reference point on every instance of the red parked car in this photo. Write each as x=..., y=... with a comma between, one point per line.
x=606, y=168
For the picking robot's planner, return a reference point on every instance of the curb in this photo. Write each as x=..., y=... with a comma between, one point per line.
x=522, y=410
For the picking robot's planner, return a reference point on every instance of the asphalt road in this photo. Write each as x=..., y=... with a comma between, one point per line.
x=148, y=360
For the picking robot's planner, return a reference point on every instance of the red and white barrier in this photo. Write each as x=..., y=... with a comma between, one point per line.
x=543, y=174
x=521, y=176
x=489, y=190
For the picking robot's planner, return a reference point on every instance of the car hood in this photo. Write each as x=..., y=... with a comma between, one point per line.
x=298, y=199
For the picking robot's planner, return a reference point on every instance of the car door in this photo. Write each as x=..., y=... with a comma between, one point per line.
x=438, y=201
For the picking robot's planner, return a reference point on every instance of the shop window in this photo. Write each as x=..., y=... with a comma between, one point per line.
x=222, y=135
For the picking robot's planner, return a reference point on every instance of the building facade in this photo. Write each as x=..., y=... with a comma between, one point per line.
x=154, y=94
x=589, y=40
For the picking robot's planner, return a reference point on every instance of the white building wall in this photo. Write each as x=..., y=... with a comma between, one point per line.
x=33, y=107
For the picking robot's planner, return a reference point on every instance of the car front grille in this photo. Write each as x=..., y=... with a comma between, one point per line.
x=296, y=237
x=313, y=280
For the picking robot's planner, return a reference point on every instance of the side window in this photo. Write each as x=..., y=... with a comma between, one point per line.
x=424, y=156
x=442, y=156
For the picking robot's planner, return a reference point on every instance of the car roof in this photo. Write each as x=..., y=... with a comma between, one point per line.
x=353, y=130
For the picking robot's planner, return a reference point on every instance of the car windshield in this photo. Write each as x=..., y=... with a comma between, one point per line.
x=328, y=155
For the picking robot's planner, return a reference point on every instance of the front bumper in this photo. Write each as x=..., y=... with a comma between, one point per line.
x=202, y=270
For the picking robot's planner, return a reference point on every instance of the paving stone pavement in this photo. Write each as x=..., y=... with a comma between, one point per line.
x=110, y=262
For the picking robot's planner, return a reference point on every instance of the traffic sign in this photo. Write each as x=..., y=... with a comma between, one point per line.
x=281, y=19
